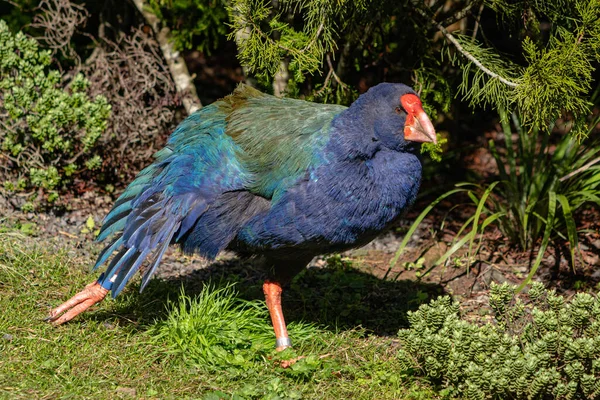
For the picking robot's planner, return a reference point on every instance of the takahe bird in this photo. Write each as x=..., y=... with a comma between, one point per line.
x=260, y=175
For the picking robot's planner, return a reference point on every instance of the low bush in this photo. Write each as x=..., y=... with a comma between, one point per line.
x=49, y=125
x=547, y=347
x=94, y=124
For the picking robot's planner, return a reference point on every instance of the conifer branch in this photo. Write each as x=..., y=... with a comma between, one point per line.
x=286, y=48
x=465, y=53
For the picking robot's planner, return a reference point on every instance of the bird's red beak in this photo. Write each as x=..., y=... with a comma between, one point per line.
x=418, y=127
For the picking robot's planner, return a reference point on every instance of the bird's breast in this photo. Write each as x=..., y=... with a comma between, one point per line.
x=339, y=205
x=347, y=203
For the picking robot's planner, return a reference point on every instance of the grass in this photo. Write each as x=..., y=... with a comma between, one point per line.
x=166, y=343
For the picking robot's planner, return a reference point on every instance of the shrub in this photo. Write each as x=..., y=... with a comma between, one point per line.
x=49, y=126
x=126, y=67
x=541, y=189
x=547, y=347
x=95, y=148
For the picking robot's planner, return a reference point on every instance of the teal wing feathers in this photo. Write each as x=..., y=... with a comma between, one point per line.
x=281, y=138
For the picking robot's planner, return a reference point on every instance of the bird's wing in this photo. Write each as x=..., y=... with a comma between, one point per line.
x=166, y=199
x=281, y=139
x=221, y=166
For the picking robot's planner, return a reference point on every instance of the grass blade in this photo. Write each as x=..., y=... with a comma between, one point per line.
x=478, y=212
x=545, y=240
x=571, y=228
x=416, y=223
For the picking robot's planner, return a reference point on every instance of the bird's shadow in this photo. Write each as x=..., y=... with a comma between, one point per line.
x=337, y=296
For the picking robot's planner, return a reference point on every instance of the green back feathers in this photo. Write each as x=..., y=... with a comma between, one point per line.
x=281, y=138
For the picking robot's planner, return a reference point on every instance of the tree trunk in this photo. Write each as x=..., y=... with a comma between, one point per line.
x=175, y=61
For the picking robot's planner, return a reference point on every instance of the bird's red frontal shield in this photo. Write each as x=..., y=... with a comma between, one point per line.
x=418, y=127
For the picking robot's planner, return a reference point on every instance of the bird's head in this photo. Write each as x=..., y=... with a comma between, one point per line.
x=393, y=116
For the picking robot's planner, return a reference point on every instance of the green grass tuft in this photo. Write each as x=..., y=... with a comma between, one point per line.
x=217, y=329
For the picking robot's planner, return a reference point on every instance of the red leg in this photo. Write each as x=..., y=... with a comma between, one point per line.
x=272, y=292
x=92, y=294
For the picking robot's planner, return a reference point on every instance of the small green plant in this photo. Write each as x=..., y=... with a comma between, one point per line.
x=546, y=347
x=541, y=190
x=217, y=330
x=49, y=128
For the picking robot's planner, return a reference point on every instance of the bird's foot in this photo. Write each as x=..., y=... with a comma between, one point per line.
x=92, y=294
x=292, y=361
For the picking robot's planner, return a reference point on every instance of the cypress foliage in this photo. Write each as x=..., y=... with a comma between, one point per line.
x=547, y=76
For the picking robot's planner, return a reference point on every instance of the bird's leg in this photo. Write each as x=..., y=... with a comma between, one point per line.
x=272, y=292
x=92, y=294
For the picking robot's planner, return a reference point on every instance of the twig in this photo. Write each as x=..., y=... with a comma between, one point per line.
x=177, y=66
x=67, y=234
x=580, y=169
x=468, y=55
x=330, y=74
x=476, y=28
x=337, y=78
x=458, y=16
x=319, y=92
x=60, y=19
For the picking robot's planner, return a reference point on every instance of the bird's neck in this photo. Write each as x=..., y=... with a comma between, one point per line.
x=358, y=133
x=352, y=137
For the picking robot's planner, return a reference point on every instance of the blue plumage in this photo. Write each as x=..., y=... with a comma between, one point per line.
x=280, y=177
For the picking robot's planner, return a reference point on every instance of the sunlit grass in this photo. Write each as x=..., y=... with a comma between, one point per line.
x=210, y=344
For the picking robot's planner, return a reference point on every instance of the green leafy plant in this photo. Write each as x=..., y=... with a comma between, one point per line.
x=540, y=187
x=545, y=347
x=49, y=127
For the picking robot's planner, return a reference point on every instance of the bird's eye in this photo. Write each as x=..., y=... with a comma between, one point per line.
x=400, y=110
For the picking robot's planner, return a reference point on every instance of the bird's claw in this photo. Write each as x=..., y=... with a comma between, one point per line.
x=92, y=294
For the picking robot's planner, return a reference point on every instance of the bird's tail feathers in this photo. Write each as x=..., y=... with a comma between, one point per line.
x=147, y=231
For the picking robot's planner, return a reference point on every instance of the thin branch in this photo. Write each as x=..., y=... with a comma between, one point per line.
x=465, y=53
x=177, y=66
x=319, y=92
x=458, y=16
x=337, y=78
x=476, y=28
x=580, y=169
x=331, y=73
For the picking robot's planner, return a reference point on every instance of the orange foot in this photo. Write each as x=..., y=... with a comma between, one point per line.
x=292, y=361
x=92, y=294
